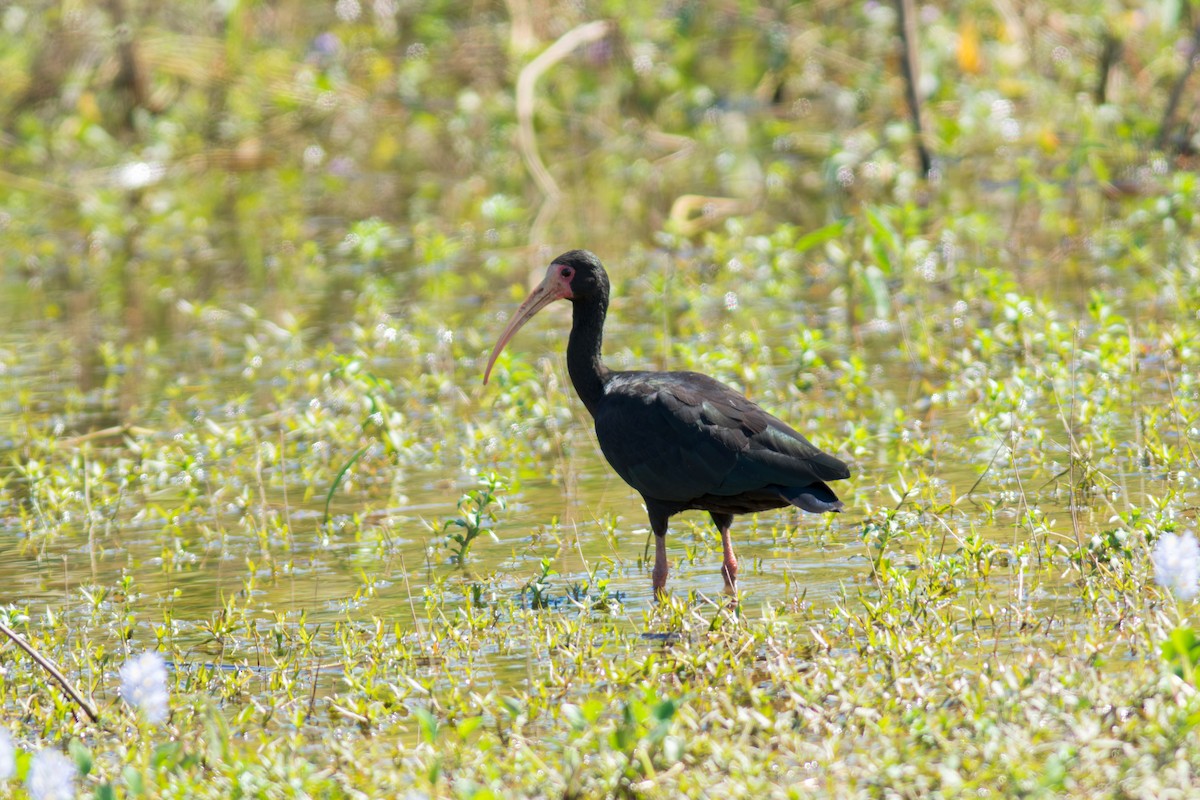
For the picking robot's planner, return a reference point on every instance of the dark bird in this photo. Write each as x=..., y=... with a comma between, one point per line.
x=682, y=439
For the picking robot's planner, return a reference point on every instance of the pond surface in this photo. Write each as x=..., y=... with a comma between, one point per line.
x=300, y=458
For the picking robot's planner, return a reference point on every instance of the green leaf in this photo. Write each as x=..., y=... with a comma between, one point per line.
x=888, y=241
x=820, y=236
x=133, y=781
x=23, y=758
x=1099, y=168
x=513, y=706
x=574, y=716
x=467, y=727
x=593, y=708
x=81, y=755
x=665, y=711
x=621, y=738
x=877, y=283
x=1181, y=651
x=216, y=735
x=428, y=724
x=337, y=481
x=166, y=755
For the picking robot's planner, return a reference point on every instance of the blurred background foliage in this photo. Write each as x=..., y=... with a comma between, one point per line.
x=153, y=152
x=246, y=244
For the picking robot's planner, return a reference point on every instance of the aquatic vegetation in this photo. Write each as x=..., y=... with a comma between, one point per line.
x=248, y=303
x=477, y=515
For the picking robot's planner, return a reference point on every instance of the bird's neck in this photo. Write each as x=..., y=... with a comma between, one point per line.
x=583, y=353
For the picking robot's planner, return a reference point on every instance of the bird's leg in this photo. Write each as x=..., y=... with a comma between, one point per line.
x=658, y=524
x=729, y=567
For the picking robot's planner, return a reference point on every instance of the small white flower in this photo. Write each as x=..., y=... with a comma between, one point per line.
x=8, y=755
x=144, y=685
x=51, y=776
x=1177, y=564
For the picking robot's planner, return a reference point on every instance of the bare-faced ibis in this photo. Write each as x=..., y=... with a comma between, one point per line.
x=682, y=439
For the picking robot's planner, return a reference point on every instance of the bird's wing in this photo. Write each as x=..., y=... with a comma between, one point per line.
x=676, y=436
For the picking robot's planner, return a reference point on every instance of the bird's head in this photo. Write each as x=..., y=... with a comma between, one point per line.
x=581, y=275
x=576, y=275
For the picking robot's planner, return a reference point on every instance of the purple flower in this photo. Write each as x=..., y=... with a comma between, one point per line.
x=1177, y=564
x=8, y=755
x=144, y=685
x=51, y=776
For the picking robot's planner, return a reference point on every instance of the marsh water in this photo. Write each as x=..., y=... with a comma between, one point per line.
x=208, y=485
x=254, y=256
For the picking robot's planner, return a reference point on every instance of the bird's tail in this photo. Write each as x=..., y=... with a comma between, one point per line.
x=817, y=497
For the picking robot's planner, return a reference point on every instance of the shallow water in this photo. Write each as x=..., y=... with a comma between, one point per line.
x=256, y=531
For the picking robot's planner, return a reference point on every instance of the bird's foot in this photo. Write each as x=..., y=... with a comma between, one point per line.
x=731, y=594
x=659, y=582
x=729, y=573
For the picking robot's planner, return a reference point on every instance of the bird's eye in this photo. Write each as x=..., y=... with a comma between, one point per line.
x=565, y=272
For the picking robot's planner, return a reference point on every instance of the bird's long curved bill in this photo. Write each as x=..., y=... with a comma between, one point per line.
x=545, y=294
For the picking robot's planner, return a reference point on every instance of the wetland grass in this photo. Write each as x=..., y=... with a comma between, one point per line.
x=242, y=428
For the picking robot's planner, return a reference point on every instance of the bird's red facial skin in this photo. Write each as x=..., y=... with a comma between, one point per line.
x=555, y=286
x=565, y=276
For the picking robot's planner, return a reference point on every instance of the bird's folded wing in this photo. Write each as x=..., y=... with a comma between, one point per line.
x=676, y=436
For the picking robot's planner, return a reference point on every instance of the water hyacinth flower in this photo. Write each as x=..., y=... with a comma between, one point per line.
x=1177, y=564
x=8, y=755
x=51, y=776
x=144, y=685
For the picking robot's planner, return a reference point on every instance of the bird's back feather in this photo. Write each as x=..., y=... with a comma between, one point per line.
x=690, y=441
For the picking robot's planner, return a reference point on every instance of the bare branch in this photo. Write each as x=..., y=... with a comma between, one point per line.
x=908, y=63
x=55, y=673
x=1164, y=129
